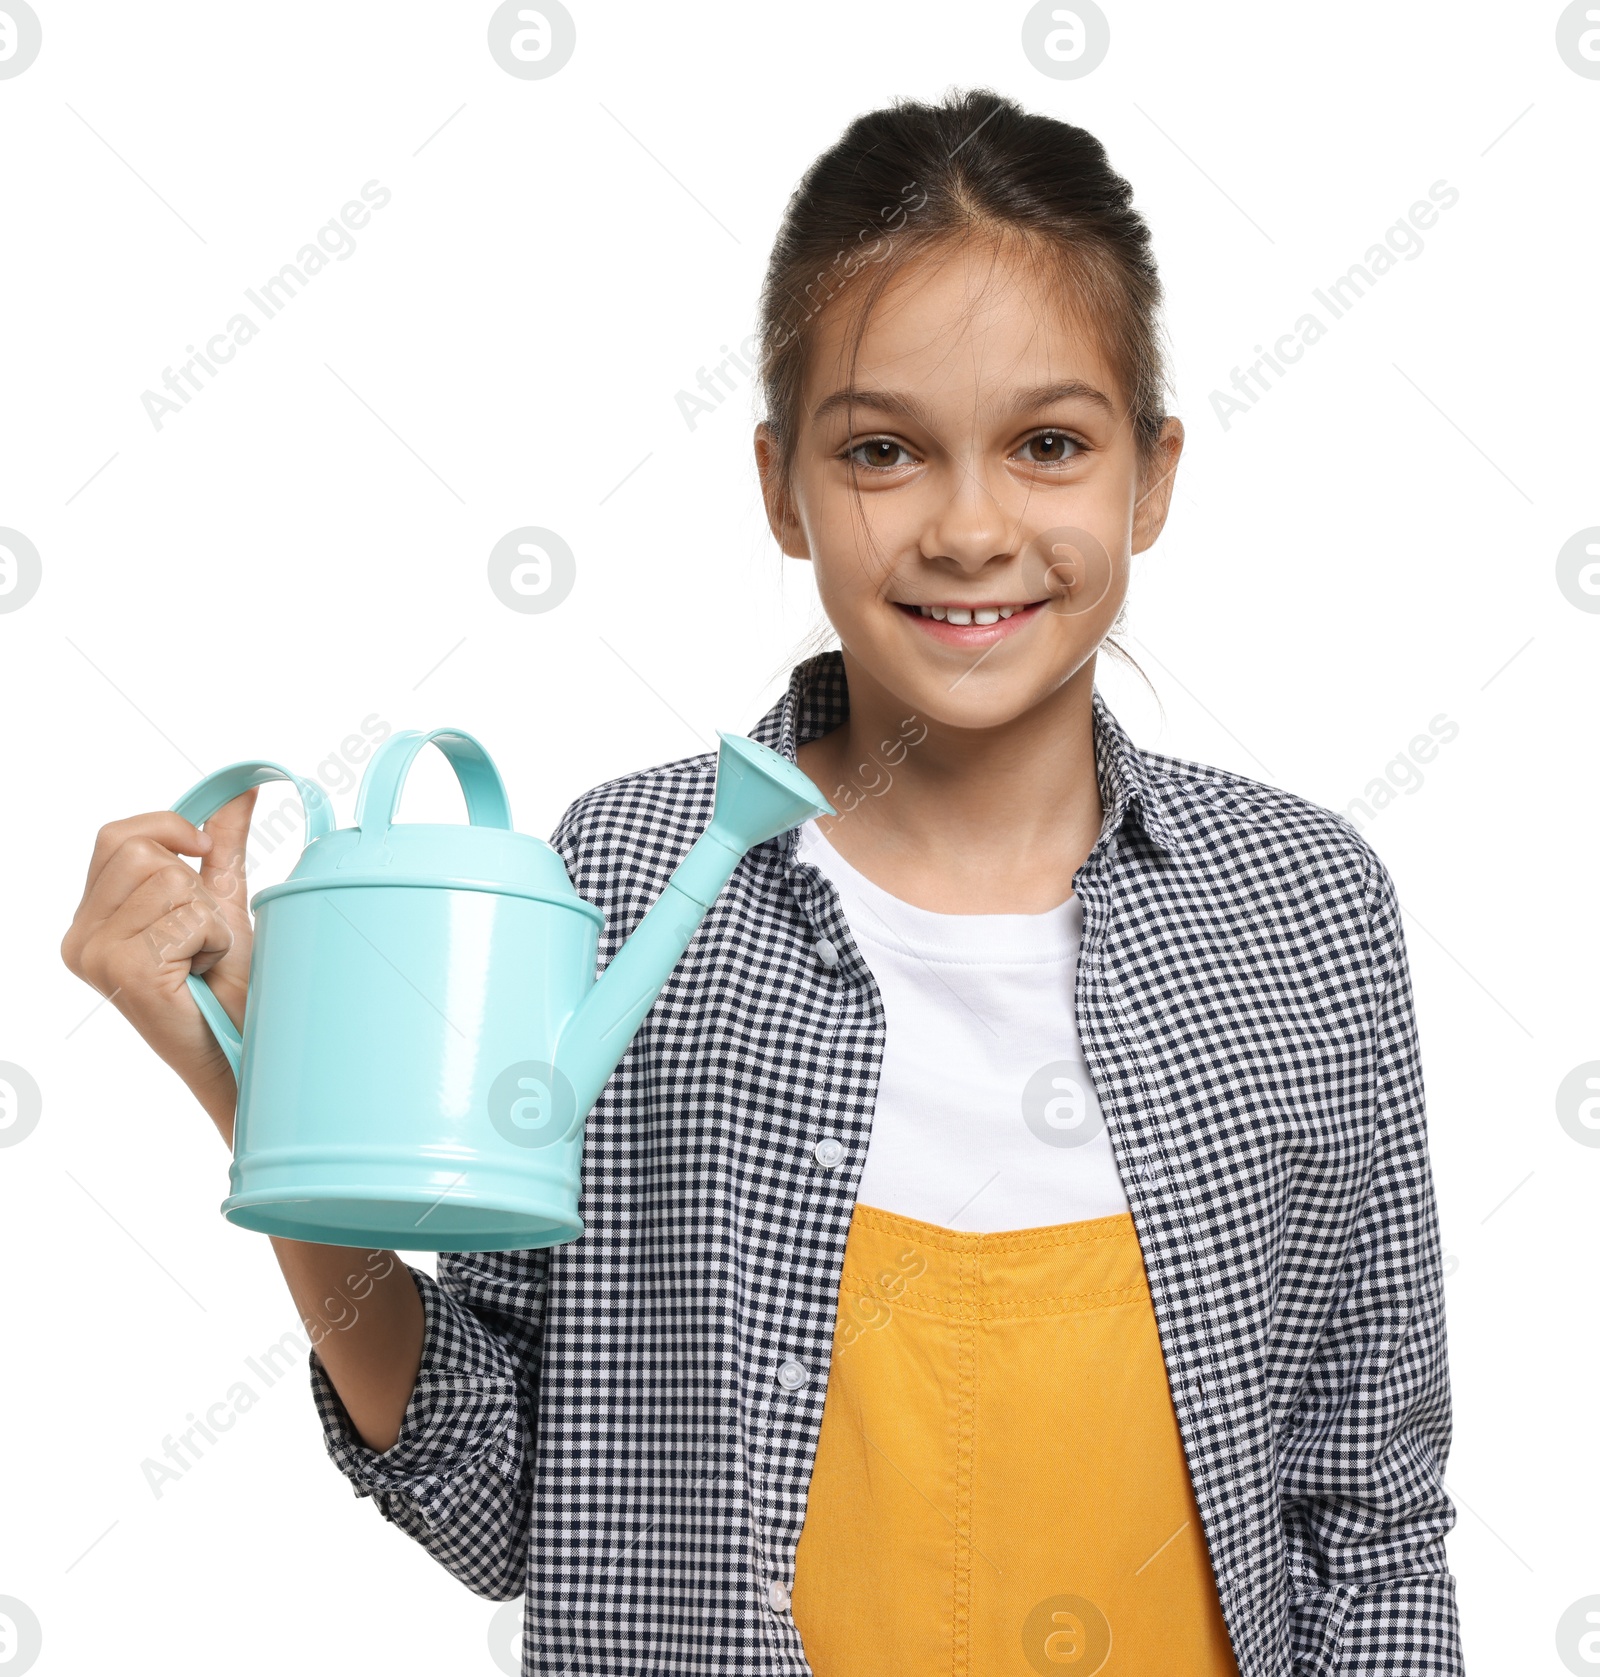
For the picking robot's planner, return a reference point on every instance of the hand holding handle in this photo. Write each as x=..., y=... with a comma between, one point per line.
x=198, y=805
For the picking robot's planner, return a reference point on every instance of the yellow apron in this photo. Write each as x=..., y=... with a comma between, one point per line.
x=1000, y=1485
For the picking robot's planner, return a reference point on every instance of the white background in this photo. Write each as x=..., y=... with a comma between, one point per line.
x=1372, y=546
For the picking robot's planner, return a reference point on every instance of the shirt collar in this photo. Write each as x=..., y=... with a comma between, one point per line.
x=818, y=700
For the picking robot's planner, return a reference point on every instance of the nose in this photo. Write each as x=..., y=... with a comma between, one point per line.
x=971, y=526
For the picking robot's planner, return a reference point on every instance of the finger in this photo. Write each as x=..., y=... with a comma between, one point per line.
x=163, y=919
x=193, y=935
x=222, y=868
x=165, y=826
x=171, y=898
x=134, y=861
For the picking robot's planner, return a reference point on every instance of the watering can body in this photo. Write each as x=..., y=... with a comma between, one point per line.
x=424, y=1034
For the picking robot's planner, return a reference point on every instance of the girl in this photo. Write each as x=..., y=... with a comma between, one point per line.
x=1010, y=1238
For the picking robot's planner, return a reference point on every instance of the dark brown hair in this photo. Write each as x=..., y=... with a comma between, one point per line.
x=902, y=181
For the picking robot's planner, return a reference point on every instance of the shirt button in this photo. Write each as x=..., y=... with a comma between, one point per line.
x=829, y=1151
x=791, y=1375
x=827, y=953
x=778, y=1596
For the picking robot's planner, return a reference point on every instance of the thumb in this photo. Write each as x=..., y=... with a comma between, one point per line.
x=222, y=868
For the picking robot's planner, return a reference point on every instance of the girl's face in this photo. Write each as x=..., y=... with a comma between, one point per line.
x=995, y=472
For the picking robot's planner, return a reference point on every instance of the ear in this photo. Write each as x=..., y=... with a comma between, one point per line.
x=781, y=516
x=1155, y=485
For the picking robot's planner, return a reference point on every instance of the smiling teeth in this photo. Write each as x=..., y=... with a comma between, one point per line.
x=961, y=615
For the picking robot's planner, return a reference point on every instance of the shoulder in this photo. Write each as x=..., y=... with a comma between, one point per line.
x=1247, y=826
x=635, y=828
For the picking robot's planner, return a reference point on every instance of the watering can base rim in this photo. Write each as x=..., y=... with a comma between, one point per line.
x=497, y=1239
x=492, y=1226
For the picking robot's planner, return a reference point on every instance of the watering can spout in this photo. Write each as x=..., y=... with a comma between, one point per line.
x=759, y=795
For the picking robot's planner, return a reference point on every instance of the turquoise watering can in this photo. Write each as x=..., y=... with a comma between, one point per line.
x=424, y=1034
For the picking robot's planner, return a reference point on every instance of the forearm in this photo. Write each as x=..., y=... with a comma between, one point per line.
x=363, y=1316
x=360, y=1309
x=456, y=1478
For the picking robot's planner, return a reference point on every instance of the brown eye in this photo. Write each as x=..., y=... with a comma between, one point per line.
x=1053, y=446
x=876, y=453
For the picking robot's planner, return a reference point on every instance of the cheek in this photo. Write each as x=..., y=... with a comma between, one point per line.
x=867, y=534
x=1083, y=566
x=861, y=556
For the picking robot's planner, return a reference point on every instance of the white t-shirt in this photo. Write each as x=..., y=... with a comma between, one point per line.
x=987, y=1116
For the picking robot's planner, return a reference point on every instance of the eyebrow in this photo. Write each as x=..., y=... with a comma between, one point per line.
x=895, y=401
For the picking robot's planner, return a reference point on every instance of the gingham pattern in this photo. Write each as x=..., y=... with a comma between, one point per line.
x=601, y=1424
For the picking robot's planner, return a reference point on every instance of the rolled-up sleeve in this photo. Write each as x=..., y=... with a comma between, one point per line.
x=457, y=1477
x=1362, y=1465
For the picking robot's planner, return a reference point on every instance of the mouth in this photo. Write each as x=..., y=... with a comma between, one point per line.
x=971, y=622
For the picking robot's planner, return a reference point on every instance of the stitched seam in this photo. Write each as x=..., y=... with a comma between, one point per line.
x=490, y=1383
x=962, y=1309
x=1090, y=1231
x=966, y=1430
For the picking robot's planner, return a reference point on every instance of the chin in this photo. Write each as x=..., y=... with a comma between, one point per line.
x=961, y=690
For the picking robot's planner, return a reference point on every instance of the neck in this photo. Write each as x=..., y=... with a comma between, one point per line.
x=996, y=820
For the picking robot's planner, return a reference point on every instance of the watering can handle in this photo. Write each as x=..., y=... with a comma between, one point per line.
x=199, y=804
x=379, y=797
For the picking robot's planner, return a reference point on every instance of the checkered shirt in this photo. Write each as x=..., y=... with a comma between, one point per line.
x=600, y=1426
